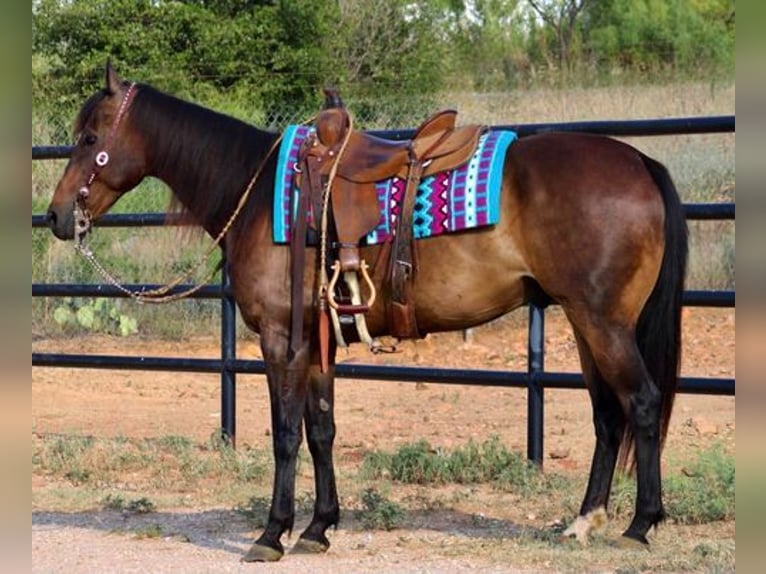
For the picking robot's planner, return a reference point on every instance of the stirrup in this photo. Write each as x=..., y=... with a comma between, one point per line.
x=355, y=307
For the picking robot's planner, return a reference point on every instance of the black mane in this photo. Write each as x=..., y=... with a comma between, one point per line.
x=206, y=157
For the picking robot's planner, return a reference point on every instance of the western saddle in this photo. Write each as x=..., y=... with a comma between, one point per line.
x=336, y=173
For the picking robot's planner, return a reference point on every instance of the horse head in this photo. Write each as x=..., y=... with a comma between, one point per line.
x=105, y=162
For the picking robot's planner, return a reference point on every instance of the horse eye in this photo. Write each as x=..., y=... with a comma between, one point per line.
x=89, y=139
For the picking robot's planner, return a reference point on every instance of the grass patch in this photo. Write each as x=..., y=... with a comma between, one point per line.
x=703, y=492
x=149, y=531
x=140, y=505
x=170, y=463
x=488, y=462
x=379, y=513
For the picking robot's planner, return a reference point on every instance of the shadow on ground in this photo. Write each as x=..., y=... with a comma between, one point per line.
x=228, y=530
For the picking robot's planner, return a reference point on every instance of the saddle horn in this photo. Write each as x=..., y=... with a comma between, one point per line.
x=332, y=98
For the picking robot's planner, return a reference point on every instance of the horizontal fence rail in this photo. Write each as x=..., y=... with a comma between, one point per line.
x=535, y=379
x=477, y=377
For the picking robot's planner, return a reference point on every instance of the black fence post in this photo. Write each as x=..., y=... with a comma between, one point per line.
x=535, y=351
x=228, y=354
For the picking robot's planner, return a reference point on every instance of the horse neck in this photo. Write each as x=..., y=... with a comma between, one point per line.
x=206, y=158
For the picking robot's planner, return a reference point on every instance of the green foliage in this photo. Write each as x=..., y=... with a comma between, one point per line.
x=170, y=461
x=378, y=512
x=149, y=531
x=61, y=454
x=140, y=505
x=269, y=55
x=113, y=502
x=705, y=492
x=648, y=35
x=95, y=315
x=506, y=43
x=272, y=56
x=489, y=461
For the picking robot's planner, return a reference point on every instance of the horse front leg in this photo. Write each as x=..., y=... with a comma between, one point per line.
x=287, y=380
x=320, y=434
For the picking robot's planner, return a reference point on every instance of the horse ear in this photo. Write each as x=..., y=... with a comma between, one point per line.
x=113, y=81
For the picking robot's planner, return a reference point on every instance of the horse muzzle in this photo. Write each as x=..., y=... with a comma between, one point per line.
x=61, y=222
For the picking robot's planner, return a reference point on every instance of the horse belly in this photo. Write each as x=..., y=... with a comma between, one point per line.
x=465, y=280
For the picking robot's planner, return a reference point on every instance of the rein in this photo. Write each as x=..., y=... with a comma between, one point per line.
x=83, y=225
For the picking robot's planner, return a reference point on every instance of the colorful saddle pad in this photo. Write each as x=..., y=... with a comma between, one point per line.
x=463, y=198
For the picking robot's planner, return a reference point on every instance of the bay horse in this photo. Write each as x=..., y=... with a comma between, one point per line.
x=587, y=222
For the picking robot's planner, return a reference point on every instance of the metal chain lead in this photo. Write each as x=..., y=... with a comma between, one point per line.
x=148, y=296
x=82, y=222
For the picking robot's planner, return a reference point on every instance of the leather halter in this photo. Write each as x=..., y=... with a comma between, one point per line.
x=82, y=217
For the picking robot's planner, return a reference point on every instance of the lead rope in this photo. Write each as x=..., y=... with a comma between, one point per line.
x=323, y=279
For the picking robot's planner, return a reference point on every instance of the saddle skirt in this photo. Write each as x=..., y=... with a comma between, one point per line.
x=448, y=201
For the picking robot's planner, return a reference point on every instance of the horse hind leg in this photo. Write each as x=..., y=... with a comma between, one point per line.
x=609, y=426
x=617, y=359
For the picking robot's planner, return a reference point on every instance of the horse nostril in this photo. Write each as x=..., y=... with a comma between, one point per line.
x=51, y=218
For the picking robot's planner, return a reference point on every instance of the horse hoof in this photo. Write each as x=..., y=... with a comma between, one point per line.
x=260, y=553
x=629, y=543
x=306, y=546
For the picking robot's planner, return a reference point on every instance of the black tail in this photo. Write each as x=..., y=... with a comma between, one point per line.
x=659, y=327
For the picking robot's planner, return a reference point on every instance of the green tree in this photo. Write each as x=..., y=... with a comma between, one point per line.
x=154, y=40
x=268, y=55
x=390, y=47
x=685, y=36
x=490, y=41
x=562, y=16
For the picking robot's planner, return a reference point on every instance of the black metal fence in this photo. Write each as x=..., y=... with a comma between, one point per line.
x=535, y=379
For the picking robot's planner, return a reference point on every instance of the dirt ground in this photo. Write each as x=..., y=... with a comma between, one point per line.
x=369, y=415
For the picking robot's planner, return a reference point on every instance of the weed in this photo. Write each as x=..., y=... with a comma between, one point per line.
x=141, y=506
x=705, y=491
x=178, y=445
x=378, y=512
x=255, y=511
x=304, y=502
x=149, y=531
x=97, y=315
x=489, y=461
x=77, y=476
x=136, y=506
x=113, y=502
x=417, y=463
x=375, y=465
x=65, y=456
x=170, y=462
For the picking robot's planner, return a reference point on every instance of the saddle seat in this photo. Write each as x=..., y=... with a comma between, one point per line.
x=437, y=144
